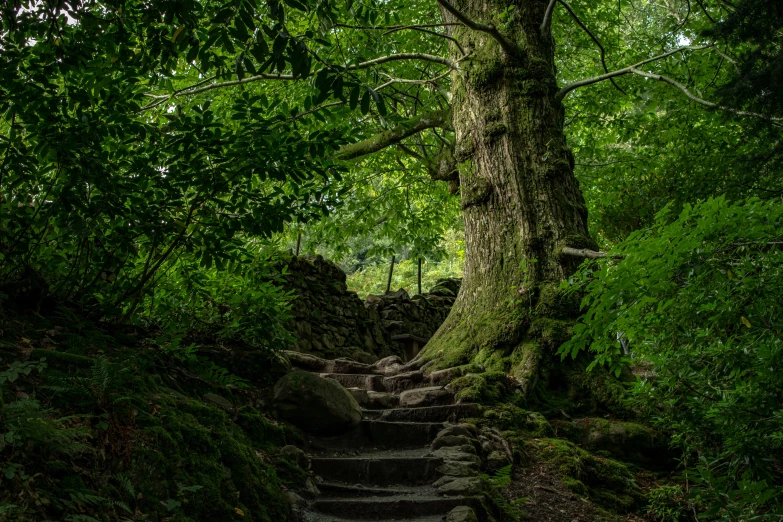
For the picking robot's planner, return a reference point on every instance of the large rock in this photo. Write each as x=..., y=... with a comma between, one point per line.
x=316, y=405
x=462, y=514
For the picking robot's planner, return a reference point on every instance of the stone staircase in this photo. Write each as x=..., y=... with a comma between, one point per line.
x=410, y=458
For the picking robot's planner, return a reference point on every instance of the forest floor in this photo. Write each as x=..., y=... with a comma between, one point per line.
x=102, y=422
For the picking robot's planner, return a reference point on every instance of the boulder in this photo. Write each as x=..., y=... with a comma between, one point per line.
x=315, y=404
x=462, y=514
x=295, y=455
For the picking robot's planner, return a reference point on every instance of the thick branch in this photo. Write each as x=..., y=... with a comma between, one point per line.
x=547, y=23
x=620, y=72
x=395, y=135
x=582, y=252
x=507, y=46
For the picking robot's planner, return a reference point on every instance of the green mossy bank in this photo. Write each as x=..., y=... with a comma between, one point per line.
x=102, y=425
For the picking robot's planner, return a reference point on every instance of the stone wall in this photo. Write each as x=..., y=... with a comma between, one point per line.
x=331, y=322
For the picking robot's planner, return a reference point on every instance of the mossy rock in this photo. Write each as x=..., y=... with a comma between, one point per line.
x=628, y=441
x=605, y=481
x=315, y=404
x=515, y=419
x=483, y=388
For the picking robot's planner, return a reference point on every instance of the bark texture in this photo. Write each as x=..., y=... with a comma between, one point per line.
x=521, y=202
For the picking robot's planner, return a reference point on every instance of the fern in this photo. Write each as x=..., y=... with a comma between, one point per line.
x=125, y=484
x=501, y=478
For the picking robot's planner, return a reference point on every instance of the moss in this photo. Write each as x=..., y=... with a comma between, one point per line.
x=485, y=67
x=556, y=303
x=483, y=72
x=577, y=241
x=475, y=192
x=484, y=388
x=196, y=444
x=493, y=131
x=606, y=482
x=595, y=390
x=551, y=332
x=559, y=168
x=464, y=149
x=496, y=331
x=538, y=68
x=62, y=360
x=531, y=89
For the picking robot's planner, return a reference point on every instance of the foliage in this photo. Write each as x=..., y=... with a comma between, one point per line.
x=126, y=432
x=498, y=481
x=607, y=482
x=372, y=278
x=243, y=302
x=696, y=297
x=668, y=504
x=100, y=193
x=755, y=27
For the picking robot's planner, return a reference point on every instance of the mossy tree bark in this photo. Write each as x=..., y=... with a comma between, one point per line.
x=521, y=202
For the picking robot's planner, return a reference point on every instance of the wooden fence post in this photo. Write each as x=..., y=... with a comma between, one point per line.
x=391, y=271
x=419, y=276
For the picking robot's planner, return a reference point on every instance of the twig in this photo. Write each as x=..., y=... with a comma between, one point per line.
x=701, y=101
x=190, y=91
x=427, y=31
x=592, y=37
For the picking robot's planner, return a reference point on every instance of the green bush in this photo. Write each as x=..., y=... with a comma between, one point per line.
x=697, y=298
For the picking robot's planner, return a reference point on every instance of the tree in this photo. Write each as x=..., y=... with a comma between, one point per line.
x=469, y=90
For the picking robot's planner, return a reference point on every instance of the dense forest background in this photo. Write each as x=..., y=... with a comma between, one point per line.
x=159, y=158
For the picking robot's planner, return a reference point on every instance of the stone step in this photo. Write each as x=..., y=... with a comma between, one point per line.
x=379, y=383
x=382, y=469
x=444, y=413
x=380, y=434
x=426, y=396
x=374, y=400
x=342, y=490
x=362, y=381
x=311, y=363
x=321, y=517
x=400, y=506
x=401, y=434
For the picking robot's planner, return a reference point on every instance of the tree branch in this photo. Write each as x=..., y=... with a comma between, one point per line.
x=547, y=23
x=427, y=31
x=620, y=72
x=507, y=46
x=593, y=37
x=702, y=101
x=395, y=135
x=190, y=90
x=582, y=252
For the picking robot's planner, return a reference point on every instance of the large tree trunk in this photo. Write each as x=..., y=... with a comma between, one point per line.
x=520, y=200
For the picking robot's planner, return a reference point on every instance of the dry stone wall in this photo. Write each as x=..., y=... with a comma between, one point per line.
x=331, y=322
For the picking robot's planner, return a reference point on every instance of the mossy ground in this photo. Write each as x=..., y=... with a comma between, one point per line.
x=113, y=427
x=546, y=441
x=607, y=482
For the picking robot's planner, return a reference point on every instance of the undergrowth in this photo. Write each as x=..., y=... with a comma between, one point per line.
x=102, y=423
